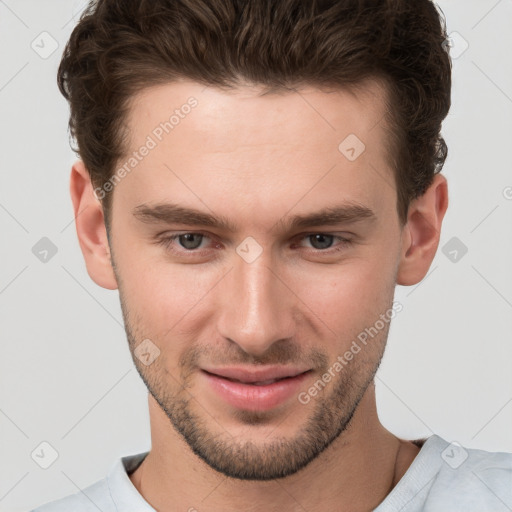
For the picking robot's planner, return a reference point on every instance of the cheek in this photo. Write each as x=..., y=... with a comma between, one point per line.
x=349, y=297
x=167, y=297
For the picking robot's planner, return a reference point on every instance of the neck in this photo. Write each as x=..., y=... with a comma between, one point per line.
x=356, y=472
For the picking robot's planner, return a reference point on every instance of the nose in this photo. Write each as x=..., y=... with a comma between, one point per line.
x=256, y=305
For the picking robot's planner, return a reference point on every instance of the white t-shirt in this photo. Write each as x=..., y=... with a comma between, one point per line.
x=443, y=477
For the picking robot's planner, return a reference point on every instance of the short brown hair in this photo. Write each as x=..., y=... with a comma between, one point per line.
x=120, y=47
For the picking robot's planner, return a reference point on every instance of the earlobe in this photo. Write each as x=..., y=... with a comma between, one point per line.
x=421, y=234
x=90, y=228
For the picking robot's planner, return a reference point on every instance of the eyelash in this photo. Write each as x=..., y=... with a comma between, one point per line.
x=167, y=242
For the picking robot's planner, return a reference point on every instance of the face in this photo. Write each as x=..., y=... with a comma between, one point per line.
x=289, y=255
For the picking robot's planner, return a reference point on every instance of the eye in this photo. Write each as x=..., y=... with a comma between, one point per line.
x=187, y=241
x=322, y=242
x=191, y=243
x=190, y=240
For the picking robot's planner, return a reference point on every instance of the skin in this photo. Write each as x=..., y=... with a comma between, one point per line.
x=257, y=160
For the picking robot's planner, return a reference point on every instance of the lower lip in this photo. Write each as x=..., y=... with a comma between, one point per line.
x=256, y=398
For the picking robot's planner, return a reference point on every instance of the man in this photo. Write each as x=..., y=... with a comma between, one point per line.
x=255, y=179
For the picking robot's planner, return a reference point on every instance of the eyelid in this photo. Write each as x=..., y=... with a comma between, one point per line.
x=343, y=240
x=167, y=241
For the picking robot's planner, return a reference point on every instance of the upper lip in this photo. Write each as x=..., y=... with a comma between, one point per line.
x=249, y=375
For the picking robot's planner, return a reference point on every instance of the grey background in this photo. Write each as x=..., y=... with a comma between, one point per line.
x=66, y=374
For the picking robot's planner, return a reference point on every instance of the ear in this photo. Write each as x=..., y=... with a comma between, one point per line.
x=90, y=228
x=421, y=233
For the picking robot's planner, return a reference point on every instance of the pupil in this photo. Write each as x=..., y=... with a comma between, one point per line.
x=187, y=240
x=322, y=241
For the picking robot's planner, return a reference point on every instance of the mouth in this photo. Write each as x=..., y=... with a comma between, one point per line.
x=259, y=390
x=256, y=383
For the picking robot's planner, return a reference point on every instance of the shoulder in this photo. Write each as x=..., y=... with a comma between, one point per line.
x=91, y=499
x=448, y=476
x=480, y=480
x=110, y=494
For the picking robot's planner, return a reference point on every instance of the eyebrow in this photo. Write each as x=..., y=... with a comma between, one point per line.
x=169, y=213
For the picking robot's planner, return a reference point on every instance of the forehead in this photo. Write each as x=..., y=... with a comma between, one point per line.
x=332, y=112
x=207, y=142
